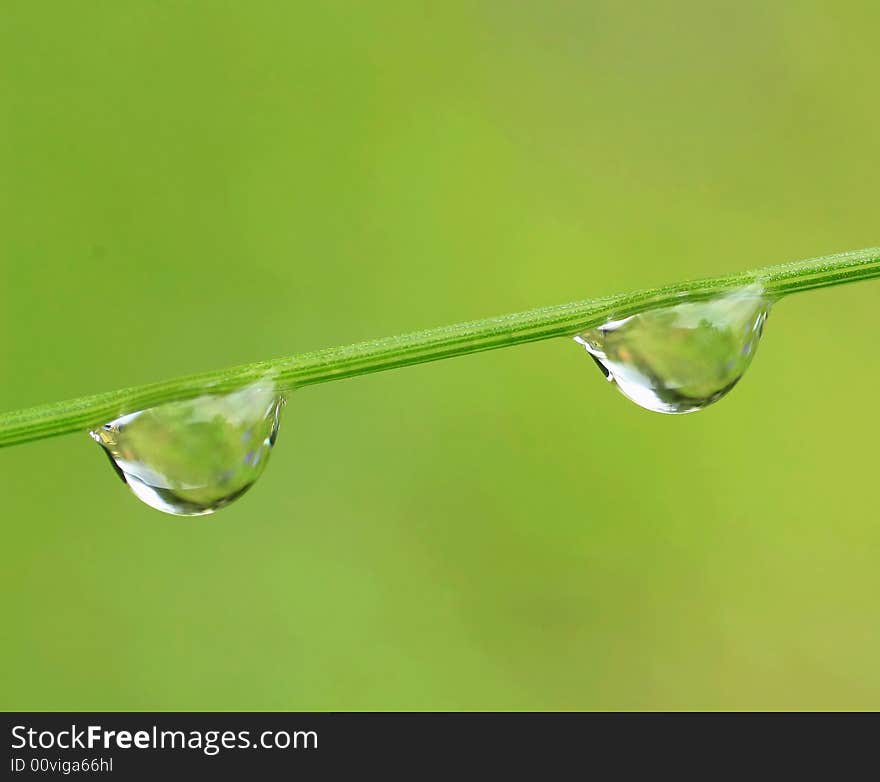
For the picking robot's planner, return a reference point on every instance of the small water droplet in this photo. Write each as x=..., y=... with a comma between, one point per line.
x=681, y=358
x=194, y=457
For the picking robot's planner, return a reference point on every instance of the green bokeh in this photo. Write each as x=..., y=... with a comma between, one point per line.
x=185, y=186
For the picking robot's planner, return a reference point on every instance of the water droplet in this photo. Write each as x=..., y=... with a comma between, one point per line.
x=194, y=457
x=681, y=358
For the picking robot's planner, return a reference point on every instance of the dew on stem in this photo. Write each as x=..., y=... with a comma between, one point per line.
x=193, y=457
x=444, y=342
x=684, y=357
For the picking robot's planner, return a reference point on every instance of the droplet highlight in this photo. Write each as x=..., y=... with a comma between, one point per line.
x=192, y=458
x=681, y=358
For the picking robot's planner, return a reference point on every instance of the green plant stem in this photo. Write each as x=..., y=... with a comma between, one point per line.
x=430, y=345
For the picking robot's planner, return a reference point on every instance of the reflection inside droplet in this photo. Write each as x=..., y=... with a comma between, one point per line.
x=194, y=457
x=682, y=358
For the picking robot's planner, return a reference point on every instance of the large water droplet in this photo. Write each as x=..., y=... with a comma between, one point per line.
x=681, y=358
x=192, y=458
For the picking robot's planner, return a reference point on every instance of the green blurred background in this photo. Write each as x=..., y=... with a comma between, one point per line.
x=187, y=186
